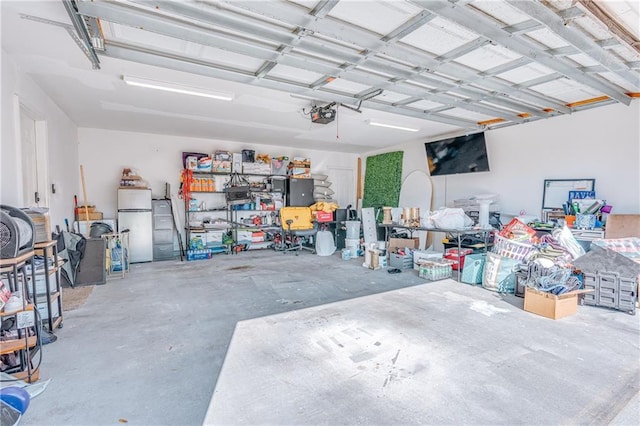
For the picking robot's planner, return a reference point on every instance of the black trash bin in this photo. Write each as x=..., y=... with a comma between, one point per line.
x=99, y=228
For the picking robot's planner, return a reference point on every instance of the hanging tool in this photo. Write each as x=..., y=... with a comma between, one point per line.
x=66, y=222
x=84, y=193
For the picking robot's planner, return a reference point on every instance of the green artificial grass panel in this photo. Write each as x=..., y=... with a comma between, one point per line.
x=382, y=180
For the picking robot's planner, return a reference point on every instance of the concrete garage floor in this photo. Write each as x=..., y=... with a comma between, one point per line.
x=149, y=350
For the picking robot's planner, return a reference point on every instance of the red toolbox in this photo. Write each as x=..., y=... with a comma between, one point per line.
x=452, y=254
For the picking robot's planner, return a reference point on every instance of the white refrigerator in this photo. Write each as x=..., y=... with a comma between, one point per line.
x=134, y=214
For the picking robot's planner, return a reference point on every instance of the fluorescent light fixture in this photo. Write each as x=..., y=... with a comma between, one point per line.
x=177, y=88
x=391, y=126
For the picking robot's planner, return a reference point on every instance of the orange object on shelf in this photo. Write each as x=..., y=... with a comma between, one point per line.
x=570, y=220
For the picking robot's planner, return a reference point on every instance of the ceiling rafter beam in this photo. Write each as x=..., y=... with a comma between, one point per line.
x=439, y=109
x=407, y=101
x=127, y=16
x=541, y=80
x=608, y=43
x=323, y=8
x=341, y=31
x=487, y=28
x=345, y=67
x=559, y=52
x=409, y=26
x=611, y=24
x=634, y=65
x=439, y=97
x=463, y=50
x=523, y=27
x=265, y=68
x=322, y=81
x=576, y=38
x=208, y=69
x=476, y=93
x=418, y=74
x=570, y=13
x=593, y=69
x=184, y=30
x=509, y=66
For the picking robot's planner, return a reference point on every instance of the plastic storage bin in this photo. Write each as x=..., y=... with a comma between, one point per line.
x=401, y=261
x=611, y=290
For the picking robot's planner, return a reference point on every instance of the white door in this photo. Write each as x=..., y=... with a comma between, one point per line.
x=343, y=185
x=34, y=161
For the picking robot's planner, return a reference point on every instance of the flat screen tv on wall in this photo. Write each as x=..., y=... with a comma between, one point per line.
x=462, y=154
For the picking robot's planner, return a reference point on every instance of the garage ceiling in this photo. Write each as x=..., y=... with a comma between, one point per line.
x=438, y=67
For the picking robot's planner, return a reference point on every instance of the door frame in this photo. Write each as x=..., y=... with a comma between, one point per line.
x=353, y=175
x=42, y=150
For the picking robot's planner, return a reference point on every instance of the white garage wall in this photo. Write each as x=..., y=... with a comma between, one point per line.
x=601, y=143
x=158, y=159
x=61, y=135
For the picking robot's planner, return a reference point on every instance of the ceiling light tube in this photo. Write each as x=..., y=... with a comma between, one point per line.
x=177, y=88
x=391, y=126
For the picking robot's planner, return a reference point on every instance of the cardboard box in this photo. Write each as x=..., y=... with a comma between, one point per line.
x=412, y=243
x=41, y=283
x=244, y=236
x=214, y=238
x=81, y=209
x=257, y=237
x=549, y=305
x=92, y=215
x=221, y=166
x=299, y=168
x=42, y=224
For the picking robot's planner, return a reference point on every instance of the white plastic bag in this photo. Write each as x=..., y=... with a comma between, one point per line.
x=568, y=242
x=324, y=243
x=450, y=218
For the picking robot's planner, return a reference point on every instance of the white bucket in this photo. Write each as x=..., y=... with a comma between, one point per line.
x=353, y=229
